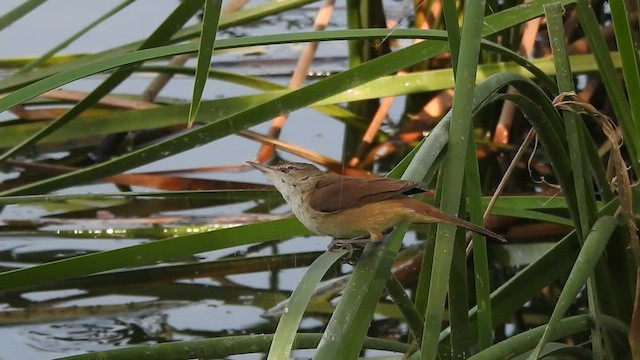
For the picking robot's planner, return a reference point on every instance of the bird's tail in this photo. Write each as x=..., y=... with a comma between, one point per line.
x=475, y=228
x=430, y=214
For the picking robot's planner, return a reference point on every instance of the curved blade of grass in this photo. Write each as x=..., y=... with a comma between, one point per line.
x=589, y=256
x=555, y=350
x=173, y=114
x=566, y=180
x=222, y=347
x=256, y=82
x=149, y=253
x=246, y=195
x=129, y=121
x=285, y=334
x=532, y=215
x=225, y=126
x=134, y=57
x=49, y=54
x=517, y=203
x=109, y=62
x=191, y=32
x=624, y=118
x=240, y=120
x=222, y=267
x=535, y=202
x=494, y=23
x=132, y=120
x=400, y=297
x=176, y=20
x=546, y=121
x=442, y=79
x=518, y=344
x=112, y=60
x=205, y=52
x=18, y=12
x=59, y=79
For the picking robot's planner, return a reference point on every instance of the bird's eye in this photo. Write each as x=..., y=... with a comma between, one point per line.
x=289, y=168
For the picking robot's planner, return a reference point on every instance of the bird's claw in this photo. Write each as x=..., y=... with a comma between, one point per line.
x=349, y=245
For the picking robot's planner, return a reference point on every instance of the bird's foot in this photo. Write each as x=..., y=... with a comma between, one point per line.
x=342, y=244
x=350, y=245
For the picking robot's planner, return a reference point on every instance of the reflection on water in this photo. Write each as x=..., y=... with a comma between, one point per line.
x=97, y=334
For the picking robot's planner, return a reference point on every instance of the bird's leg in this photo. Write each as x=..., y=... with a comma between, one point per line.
x=375, y=236
x=348, y=244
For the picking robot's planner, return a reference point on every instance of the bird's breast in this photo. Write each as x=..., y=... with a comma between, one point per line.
x=309, y=217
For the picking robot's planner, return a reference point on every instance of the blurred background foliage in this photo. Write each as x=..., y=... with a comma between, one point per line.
x=519, y=114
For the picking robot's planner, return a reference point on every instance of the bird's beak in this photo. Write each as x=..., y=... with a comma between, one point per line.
x=262, y=168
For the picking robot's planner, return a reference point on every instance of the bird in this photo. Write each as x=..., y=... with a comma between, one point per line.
x=347, y=207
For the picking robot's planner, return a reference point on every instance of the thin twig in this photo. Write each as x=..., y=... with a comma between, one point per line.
x=299, y=74
x=507, y=175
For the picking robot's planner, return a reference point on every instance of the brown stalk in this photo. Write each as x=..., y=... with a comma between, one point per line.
x=417, y=128
x=581, y=46
x=503, y=128
x=105, y=219
x=107, y=100
x=376, y=122
x=221, y=168
x=372, y=130
x=39, y=114
x=414, y=130
x=378, y=118
x=502, y=132
x=313, y=156
x=503, y=182
x=170, y=183
x=76, y=96
x=302, y=69
x=535, y=231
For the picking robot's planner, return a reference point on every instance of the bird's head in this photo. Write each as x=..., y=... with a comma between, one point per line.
x=290, y=176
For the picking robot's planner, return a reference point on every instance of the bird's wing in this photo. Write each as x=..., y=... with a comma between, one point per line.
x=336, y=192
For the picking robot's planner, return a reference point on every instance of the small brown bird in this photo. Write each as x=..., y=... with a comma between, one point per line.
x=346, y=207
